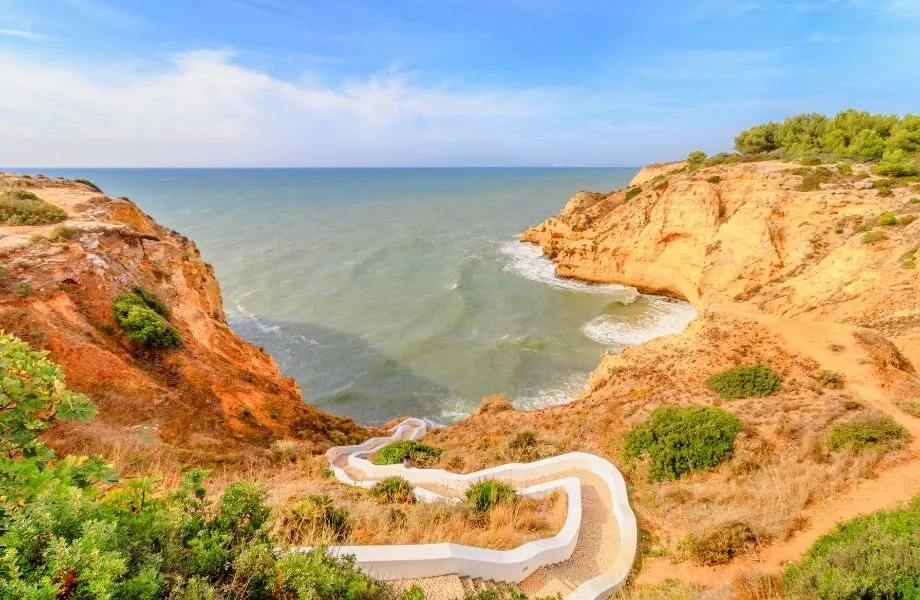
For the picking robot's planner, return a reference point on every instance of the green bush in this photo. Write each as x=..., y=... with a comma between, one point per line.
x=870, y=237
x=679, y=440
x=896, y=164
x=744, y=381
x=811, y=161
x=393, y=490
x=69, y=529
x=63, y=232
x=632, y=192
x=880, y=433
x=887, y=219
x=722, y=158
x=22, y=207
x=871, y=557
x=485, y=494
x=845, y=168
x=909, y=258
x=141, y=315
x=696, y=158
x=757, y=140
x=396, y=453
x=714, y=179
x=319, y=513
x=915, y=200
x=814, y=178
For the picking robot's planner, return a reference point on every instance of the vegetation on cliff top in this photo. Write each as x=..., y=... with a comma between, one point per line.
x=680, y=440
x=890, y=140
x=744, y=381
x=22, y=207
x=68, y=529
x=395, y=453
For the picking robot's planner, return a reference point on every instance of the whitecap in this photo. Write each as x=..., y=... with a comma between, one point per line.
x=527, y=261
x=662, y=317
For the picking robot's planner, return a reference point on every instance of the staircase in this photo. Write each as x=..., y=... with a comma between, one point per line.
x=474, y=585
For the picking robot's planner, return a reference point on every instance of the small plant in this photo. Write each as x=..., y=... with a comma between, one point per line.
x=393, y=490
x=680, y=440
x=485, y=494
x=696, y=158
x=915, y=200
x=888, y=219
x=909, y=259
x=144, y=323
x=845, y=168
x=907, y=219
x=22, y=207
x=24, y=289
x=63, y=232
x=744, y=381
x=396, y=453
x=831, y=379
x=714, y=179
x=632, y=192
x=319, y=513
x=811, y=161
x=812, y=180
x=871, y=237
x=880, y=433
x=720, y=545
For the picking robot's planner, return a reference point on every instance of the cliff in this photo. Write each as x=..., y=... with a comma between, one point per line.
x=215, y=398
x=808, y=270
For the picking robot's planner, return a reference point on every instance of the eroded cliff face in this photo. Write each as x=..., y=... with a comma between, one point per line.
x=216, y=398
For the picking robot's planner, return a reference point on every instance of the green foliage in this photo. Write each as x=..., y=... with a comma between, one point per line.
x=680, y=440
x=831, y=379
x=811, y=161
x=880, y=433
x=721, y=544
x=758, y=139
x=845, y=168
x=888, y=219
x=722, y=158
x=870, y=237
x=396, y=453
x=871, y=557
x=22, y=207
x=32, y=395
x=915, y=200
x=905, y=135
x=393, y=490
x=487, y=493
x=895, y=163
x=65, y=535
x=800, y=135
x=714, y=179
x=24, y=289
x=632, y=192
x=909, y=258
x=63, y=232
x=696, y=158
x=744, y=381
x=141, y=315
x=319, y=513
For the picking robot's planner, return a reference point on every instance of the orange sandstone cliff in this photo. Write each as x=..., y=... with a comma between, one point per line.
x=216, y=398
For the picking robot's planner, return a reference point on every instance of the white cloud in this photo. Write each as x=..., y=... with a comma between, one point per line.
x=23, y=33
x=203, y=108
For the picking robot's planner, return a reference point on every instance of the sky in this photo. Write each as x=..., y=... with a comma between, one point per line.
x=341, y=83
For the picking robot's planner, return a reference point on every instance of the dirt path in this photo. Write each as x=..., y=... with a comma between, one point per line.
x=895, y=486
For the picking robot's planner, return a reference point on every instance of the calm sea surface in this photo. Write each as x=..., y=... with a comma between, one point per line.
x=390, y=292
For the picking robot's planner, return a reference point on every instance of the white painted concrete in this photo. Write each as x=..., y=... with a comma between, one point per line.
x=393, y=562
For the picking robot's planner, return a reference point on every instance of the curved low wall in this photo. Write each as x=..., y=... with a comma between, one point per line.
x=429, y=560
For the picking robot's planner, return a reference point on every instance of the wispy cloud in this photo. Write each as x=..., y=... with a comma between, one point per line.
x=25, y=34
x=101, y=11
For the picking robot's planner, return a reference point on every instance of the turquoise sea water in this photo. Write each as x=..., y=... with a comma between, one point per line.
x=389, y=292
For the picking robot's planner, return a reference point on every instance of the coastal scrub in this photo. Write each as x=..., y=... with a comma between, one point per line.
x=744, y=381
x=22, y=207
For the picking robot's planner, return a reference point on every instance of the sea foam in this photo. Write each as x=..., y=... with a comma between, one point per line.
x=663, y=317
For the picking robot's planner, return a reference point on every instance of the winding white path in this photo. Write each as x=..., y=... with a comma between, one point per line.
x=588, y=559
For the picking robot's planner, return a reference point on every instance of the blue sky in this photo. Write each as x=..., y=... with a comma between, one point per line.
x=432, y=82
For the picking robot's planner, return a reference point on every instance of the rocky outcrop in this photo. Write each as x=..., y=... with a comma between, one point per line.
x=217, y=397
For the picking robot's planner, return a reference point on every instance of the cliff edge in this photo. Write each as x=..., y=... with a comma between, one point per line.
x=215, y=398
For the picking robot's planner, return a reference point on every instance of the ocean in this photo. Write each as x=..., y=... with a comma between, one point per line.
x=390, y=292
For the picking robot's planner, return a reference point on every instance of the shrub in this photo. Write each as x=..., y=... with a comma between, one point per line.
x=915, y=200
x=870, y=237
x=487, y=493
x=907, y=219
x=758, y=139
x=714, y=179
x=909, y=259
x=89, y=184
x=880, y=433
x=744, y=381
x=680, y=440
x=873, y=556
x=696, y=158
x=722, y=158
x=888, y=219
x=811, y=161
x=721, y=544
x=831, y=379
x=845, y=168
x=139, y=314
x=896, y=164
x=813, y=179
x=319, y=513
x=22, y=207
x=393, y=490
x=395, y=453
x=632, y=192
x=63, y=232
x=24, y=289
x=316, y=575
